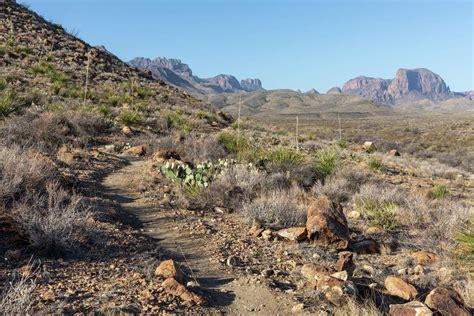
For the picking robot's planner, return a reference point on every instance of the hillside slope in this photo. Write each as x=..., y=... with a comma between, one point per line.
x=281, y=103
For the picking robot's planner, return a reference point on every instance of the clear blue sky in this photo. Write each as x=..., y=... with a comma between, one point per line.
x=286, y=43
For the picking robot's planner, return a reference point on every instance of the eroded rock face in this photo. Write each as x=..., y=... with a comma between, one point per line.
x=408, y=85
x=326, y=224
x=446, y=301
x=251, y=84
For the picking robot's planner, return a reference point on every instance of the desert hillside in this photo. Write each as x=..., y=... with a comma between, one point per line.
x=122, y=194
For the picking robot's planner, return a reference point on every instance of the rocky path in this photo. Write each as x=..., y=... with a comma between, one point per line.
x=226, y=292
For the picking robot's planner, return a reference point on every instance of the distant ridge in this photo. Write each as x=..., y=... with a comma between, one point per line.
x=180, y=75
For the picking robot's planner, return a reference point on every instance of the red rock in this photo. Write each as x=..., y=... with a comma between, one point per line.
x=173, y=287
x=446, y=301
x=326, y=224
x=345, y=262
x=313, y=272
x=400, y=288
x=423, y=257
x=366, y=247
x=136, y=151
x=413, y=308
x=169, y=269
x=293, y=233
x=335, y=290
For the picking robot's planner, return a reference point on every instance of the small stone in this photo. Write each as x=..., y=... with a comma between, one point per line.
x=413, y=308
x=419, y=270
x=169, y=269
x=267, y=234
x=314, y=272
x=424, y=257
x=354, y=215
x=368, y=269
x=232, y=261
x=267, y=272
x=127, y=131
x=298, y=308
x=335, y=290
x=400, y=288
x=394, y=152
x=369, y=146
x=193, y=284
x=341, y=275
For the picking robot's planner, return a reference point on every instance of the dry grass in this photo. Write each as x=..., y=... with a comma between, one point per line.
x=54, y=222
x=342, y=185
x=22, y=172
x=354, y=308
x=18, y=296
x=278, y=208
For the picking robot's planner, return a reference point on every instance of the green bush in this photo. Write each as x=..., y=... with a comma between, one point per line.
x=104, y=109
x=379, y=213
x=42, y=67
x=232, y=143
x=465, y=239
x=439, y=191
x=326, y=161
x=375, y=164
x=130, y=117
x=285, y=156
x=341, y=143
x=176, y=120
x=210, y=117
x=144, y=92
x=8, y=100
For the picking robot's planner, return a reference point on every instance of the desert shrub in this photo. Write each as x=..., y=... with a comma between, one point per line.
x=130, y=117
x=379, y=205
x=55, y=221
x=176, y=120
x=284, y=157
x=465, y=239
x=341, y=143
x=375, y=163
x=355, y=308
x=197, y=148
x=229, y=189
x=86, y=123
x=144, y=92
x=22, y=172
x=232, y=143
x=43, y=67
x=210, y=117
x=8, y=103
x=326, y=161
x=341, y=185
x=18, y=297
x=439, y=191
x=278, y=208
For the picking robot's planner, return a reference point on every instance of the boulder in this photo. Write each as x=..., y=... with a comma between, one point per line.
x=169, y=269
x=293, y=233
x=173, y=287
x=413, y=308
x=446, y=301
x=335, y=290
x=345, y=263
x=424, y=257
x=400, y=288
x=326, y=224
x=366, y=247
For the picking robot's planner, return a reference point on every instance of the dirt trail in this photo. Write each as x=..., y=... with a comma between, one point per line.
x=226, y=292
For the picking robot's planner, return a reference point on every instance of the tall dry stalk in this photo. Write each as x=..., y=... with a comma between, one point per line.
x=87, y=78
x=297, y=134
x=238, y=123
x=340, y=126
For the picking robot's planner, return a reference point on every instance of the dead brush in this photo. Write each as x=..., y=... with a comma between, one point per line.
x=18, y=296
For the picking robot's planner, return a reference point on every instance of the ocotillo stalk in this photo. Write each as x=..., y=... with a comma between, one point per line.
x=87, y=77
x=297, y=127
x=340, y=127
x=238, y=123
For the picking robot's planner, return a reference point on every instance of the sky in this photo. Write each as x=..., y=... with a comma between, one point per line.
x=293, y=44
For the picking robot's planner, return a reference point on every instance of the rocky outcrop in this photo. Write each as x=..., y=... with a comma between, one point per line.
x=251, y=84
x=408, y=85
x=446, y=301
x=180, y=75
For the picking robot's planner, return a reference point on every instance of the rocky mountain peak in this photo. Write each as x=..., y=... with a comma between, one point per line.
x=175, y=65
x=251, y=84
x=408, y=84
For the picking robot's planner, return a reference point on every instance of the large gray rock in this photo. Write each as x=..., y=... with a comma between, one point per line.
x=251, y=84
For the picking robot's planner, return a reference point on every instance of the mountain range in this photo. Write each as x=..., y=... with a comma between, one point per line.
x=409, y=89
x=180, y=75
